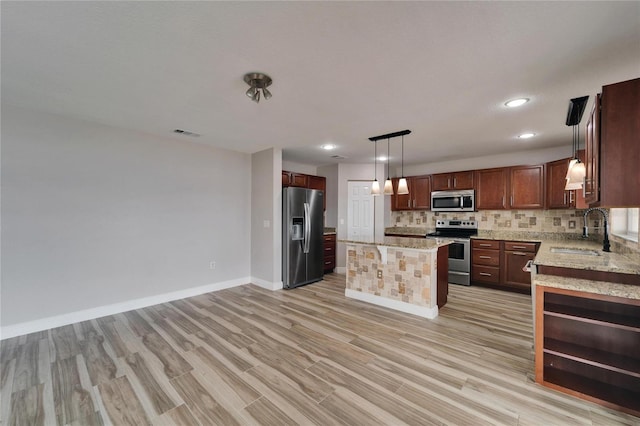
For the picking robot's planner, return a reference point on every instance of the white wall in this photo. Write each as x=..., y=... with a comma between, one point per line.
x=331, y=212
x=266, y=218
x=94, y=215
x=306, y=169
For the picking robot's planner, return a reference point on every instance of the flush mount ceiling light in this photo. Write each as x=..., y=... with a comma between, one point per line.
x=402, y=183
x=328, y=146
x=258, y=82
x=526, y=135
x=576, y=170
x=516, y=102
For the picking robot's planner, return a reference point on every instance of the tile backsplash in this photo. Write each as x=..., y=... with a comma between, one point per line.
x=563, y=221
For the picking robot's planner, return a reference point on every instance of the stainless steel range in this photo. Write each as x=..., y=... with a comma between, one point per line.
x=460, y=231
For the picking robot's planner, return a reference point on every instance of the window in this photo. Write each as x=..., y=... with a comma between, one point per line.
x=624, y=223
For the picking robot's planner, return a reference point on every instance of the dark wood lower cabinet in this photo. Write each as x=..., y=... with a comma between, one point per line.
x=588, y=345
x=329, y=252
x=500, y=264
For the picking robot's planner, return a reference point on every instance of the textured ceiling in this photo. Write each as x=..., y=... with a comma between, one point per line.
x=342, y=71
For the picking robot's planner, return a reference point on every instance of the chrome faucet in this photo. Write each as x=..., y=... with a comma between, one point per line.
x=585, y=229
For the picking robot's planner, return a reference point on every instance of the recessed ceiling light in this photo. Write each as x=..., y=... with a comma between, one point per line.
x=526, y=135
x=382, y=158
x=328, y=146
x=516, y=102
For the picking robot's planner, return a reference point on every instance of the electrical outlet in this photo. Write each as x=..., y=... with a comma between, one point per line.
x=379, y=273
x=418, y=221
x=212, y=265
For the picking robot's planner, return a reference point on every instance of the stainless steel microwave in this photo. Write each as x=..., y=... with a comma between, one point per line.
x=453, y=201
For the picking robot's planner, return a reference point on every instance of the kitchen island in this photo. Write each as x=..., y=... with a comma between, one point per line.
x=405, y=274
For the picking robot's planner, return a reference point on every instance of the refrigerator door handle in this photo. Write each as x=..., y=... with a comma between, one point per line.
x=307, y=227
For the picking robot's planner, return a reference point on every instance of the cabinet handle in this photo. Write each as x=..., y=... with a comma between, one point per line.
x=485, y=245
x=448, y=182
x=519, y=247
x=511, y=200
x=484, y=257
x=409, y=203
x=486, y=274
x=564, y=198
x=517, y=253
x=454, y=182
x=414, y=203
x=571, y=197
x=503, y=201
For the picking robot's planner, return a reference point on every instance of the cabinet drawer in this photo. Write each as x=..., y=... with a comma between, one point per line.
x=330, y=238
x=486, y=244
x=486, y=257
x=518, y=246
x=329, y=263
x=329, y=249
x=487, y=274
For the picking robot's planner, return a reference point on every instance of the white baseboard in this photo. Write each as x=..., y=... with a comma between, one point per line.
x=341, y=269
x=267, y=284
x=101, y=311
x=421, y=311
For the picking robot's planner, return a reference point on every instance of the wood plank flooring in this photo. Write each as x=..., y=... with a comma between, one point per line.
x=247, y=356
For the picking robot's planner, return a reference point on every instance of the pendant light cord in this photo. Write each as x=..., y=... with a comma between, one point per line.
x=375, y=160
x=388, y=158
x=402, y=155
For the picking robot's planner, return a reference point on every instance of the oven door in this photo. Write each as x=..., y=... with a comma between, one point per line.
x=460, y=261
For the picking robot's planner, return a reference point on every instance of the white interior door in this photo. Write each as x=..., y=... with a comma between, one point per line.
x=360, y=211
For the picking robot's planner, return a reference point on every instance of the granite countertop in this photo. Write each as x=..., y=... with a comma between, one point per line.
x=589, y=286
x=408, y=230
x=404, y=242
x=606, y=262
x=329, y=231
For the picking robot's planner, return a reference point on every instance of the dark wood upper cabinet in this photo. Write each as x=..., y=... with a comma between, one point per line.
x=421, y=192
x=526, y=187
x=491, y=188
x=557, y=197
x=613, y=147
x=306, y=181
x=401, y=202
x=419, y=196
x=458, y=180
x=299, y=179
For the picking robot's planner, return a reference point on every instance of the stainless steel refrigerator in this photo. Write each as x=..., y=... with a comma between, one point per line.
x=302, y=236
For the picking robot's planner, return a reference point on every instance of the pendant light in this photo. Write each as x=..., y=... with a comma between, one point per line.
x=388, y=186
x=576, y=170
x=403, y=188
x=375, y=185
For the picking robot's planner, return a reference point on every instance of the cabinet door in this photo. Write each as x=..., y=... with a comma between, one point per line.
x=401, y=202
x=462, y=180
x=557, y=197
x=441, y=181
x=527, y=187
x=491, y=189
x=421, y=192
x=299, y=179
x=617, y=182
x=592, y=155
x=513, y=263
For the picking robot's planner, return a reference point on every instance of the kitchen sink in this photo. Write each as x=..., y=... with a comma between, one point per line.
x=583, y=252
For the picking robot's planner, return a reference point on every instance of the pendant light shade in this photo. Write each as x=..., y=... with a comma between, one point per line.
x=575, y=175
x=375, y=187
x=388, y=187
x=403, y=188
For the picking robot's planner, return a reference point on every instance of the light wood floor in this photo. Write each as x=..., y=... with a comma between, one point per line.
x=306, y=356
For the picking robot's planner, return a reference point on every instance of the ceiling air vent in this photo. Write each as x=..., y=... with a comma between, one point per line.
x=186, y=133
x=338, y=157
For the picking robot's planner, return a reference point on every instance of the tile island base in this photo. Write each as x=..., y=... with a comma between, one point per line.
x=406, y=274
